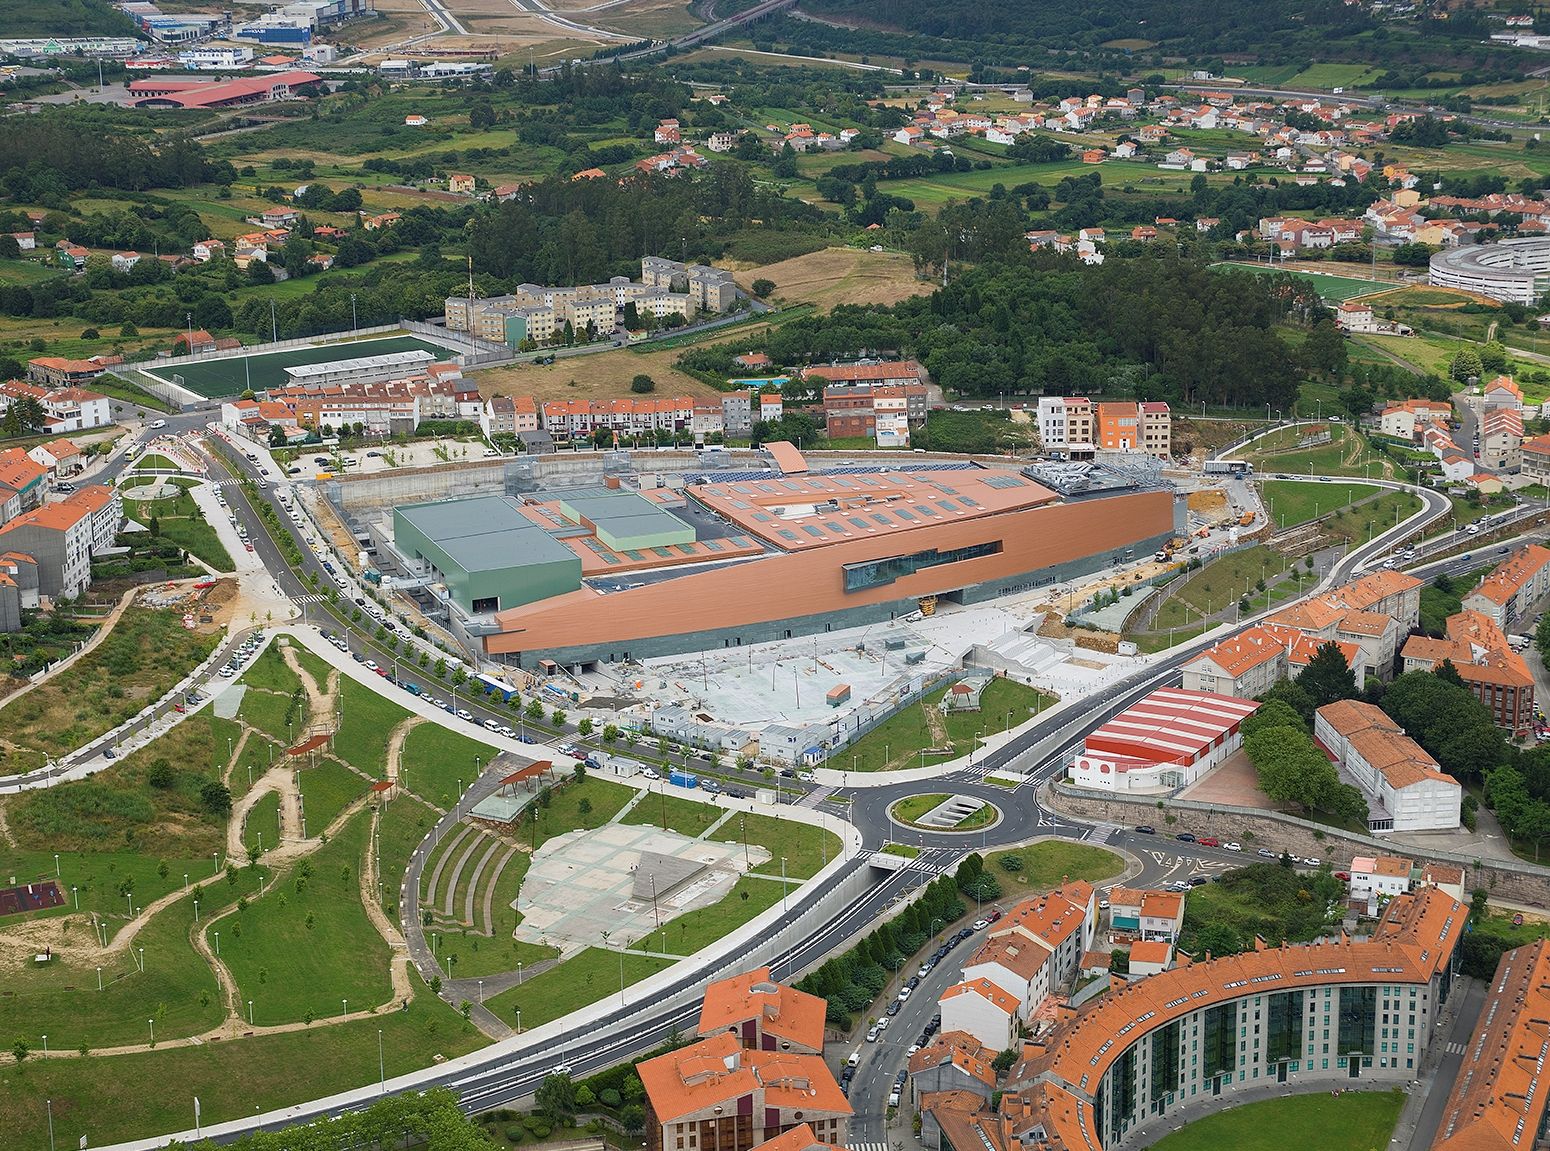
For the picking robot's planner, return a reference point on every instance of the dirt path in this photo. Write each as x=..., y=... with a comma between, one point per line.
x=403, y=986
x=5, y=829
x=935, y=724
x=395, y=746
x=322, y=700
x=96, y=637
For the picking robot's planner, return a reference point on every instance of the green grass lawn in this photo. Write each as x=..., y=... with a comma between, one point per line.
x=271, y=672
x=1350, y=1121
x=144, y=655
x=1359, y=524
x=108, y=1101
x=685, y=816
x=100, y=878
x=121, y=809
x=1044, y=865
x=693, y=930
x=806, y=848
x=368, y=721
x=602, y=799
x=179, y=521
x=307, y=945
x=1217, y=585
x=61, y=1000
x=898, y=741
x=326, y=790
x=1292, y=502
x=261, y=828
x=911, y=808
x=584, y=978
x=436, y=759
x=267, y=711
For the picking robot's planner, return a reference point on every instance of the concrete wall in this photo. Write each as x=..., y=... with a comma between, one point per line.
x=1506, y=879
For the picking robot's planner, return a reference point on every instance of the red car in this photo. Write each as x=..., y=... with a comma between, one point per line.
x=993, y=916
x=1344, y=876
x=1207, y=841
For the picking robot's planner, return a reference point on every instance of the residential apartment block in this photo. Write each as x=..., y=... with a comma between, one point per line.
x=1405, y=789
x=1485, y=661
x=1374, y=612
x=717, y=1095
x=62, y=537
x=1076, y=424
x=1322, y=1013
x=878, y=412
x=711, y=289
x=1404, y=419
x=1250, y=663
x=1514, y=586
x=764, y=1015
x=66, y=407
x=1148, y=915
x=1501, y=439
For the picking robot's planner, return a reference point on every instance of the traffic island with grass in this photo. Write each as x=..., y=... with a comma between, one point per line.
x=935, y=811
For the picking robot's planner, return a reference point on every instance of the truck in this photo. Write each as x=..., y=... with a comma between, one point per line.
x=411, y=688
x=495, y=687
x=1228, y=468
x=682, y=779
x=372, y=576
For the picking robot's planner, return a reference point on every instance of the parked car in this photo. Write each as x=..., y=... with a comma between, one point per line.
x=1145, y=829
x=1185, y=837
x=1208, y=841
x=1232, y=845
x=1265, y=853
x=872, y=1033
x=893, y=1009
x=981, y=924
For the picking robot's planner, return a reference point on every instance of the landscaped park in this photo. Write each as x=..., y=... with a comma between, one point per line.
x=221, y=911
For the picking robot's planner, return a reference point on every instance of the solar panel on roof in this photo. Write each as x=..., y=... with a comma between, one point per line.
x=1002, y=482
x=835, y=528
x=663, y=552
x=812, y=531
x=945, y=488
x=786, y=534
x=713, y=545
x=925, y=511
x=884, y=520
x=968, y=502
x=903, y=515
x=947, y=505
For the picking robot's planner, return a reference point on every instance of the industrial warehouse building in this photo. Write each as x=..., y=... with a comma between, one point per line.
x=730, y=559
x=1168, y=740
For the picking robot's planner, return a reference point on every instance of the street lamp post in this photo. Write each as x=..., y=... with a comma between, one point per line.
x=250, y=1013
x=381, y=1064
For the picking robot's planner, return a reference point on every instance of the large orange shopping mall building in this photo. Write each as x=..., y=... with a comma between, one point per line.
x=614, y=573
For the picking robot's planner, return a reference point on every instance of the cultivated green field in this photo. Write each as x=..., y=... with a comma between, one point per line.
x=216, y=378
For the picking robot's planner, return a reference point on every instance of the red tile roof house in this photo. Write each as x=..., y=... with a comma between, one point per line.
x=733, y=1099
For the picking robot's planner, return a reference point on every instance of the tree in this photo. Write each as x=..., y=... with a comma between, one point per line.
x=160, y=775
x=585, y=726
x=642, y=384
x=1328, y=677
x=555, y=1098
x=762, y=287
x=1465, y=363
x=216, y=797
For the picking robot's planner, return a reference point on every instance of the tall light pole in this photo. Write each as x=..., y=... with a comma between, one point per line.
x=381, y=1064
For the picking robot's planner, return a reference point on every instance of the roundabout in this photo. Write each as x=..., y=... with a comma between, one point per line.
x=942, y=812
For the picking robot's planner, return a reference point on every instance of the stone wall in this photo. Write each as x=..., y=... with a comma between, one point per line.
x=1514, y=880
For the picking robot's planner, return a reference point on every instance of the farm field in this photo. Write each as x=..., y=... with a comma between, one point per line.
x=842, y=276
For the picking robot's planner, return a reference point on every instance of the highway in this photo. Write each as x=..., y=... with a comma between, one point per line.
x=510, y=1070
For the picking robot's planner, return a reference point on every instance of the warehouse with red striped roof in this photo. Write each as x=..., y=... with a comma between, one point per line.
x=1168, y=740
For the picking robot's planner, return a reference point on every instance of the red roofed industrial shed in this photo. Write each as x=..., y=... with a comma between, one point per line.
x=166, y=92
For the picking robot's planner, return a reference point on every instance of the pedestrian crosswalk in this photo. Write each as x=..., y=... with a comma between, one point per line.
x=869, y=1147
x=1455, y=1049
x=1102, y=833
x=815, y=797
x=309, y=598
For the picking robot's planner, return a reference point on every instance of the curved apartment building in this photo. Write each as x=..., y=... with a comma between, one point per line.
x=1514, y=270
x=1328, y=1012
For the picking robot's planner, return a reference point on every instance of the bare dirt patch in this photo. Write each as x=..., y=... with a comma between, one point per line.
x=841, y=276
x=603, y=376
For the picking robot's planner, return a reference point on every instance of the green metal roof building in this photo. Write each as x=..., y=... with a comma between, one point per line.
x=487, y=553
x=623, y=520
